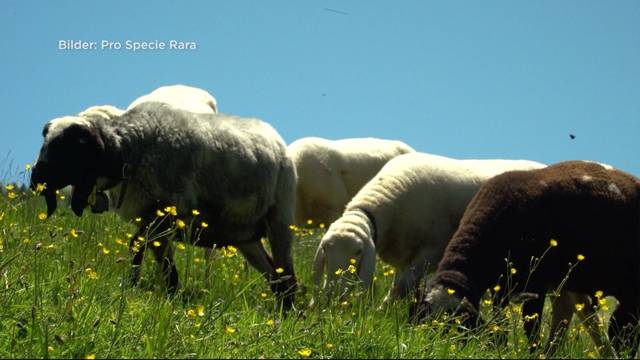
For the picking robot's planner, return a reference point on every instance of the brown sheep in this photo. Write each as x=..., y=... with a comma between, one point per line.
x=590, y=210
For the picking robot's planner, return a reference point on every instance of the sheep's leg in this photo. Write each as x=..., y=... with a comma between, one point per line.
x=592, y=322
x=278, y=219
x=164, y=257
x=405, y=281
x=622, y=327
x=208, y=258
x=136, y=248
x=285, y=283
x=532, y=321
x=257, y=256
x=561, y=314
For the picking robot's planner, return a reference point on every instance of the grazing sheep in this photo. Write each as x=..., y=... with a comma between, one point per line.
x=234, y=170
x=592, y=212
x=330, y=172
x=181, y=97
x=406, y=214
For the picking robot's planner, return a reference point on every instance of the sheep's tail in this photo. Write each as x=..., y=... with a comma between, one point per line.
x=318, y=266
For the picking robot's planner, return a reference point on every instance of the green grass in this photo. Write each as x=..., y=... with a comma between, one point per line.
x=61, y=296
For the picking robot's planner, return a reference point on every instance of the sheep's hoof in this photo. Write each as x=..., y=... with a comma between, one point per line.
x=135, y=276
x=285, y=291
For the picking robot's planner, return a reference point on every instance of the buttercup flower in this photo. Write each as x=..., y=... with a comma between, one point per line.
x=304, y=352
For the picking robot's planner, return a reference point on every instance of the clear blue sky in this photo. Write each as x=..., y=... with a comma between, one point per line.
x=467, y=79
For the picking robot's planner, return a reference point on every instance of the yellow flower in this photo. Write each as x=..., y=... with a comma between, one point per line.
x=91, y=274
x=344, y=303
x=321, y=225
x=204, y=225
x=90, y=356
x=270, y=322
x=61, y=197
x=352, y=261
x=50, y=349
x=263, y=295
x=159, y=213
x=40, y=188
x=279, y=270
x=339, y=271
x=513, y=271
x=156, y=243
x=599, y=294
x=309, y=222
x=487, y=302
x=27, y=167
x=138, y=219
x=579, y=307
x=105, y=251
x=229, y=329
x=181, y=246
x=580, y=257
x=73, y=233
x=11, y=195
x=305, y=352
x=195, y=212
x=180, y=224
x=496, y=288
x=553, y=242
x=229, y=251
x=171, y=210
x=42, y=216
x=351, y=269
x=451, y=291
x=9, y=187
x=602, y=301
x=200, y=309
x=328, y=345
x=191, y=314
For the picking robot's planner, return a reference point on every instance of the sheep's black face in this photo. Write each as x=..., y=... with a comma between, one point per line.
x=434, y=300
x=70, y=155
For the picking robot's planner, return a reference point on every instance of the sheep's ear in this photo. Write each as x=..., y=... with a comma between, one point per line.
x=523, y=297
x=85, y=135
x=467, y=308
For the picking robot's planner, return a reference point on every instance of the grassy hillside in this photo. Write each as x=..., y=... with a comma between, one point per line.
x=64, y=292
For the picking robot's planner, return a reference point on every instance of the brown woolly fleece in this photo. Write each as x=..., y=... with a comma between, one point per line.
x=589, y=209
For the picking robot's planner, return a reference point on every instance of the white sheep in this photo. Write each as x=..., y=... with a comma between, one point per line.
x=406, y=214
x=182, y=97
x=331, y=172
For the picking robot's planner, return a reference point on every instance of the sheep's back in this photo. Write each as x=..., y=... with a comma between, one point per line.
x=225, y=164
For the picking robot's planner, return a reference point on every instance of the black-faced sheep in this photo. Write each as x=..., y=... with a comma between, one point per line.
x=235, y=171
x=405, y=214
x=592, y=214
x=330, y=172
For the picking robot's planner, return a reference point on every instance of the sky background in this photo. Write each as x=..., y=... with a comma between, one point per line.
x=465, y=79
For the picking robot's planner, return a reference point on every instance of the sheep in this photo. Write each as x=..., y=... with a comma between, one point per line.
x=330, y=172
x=406, y=214
x=586, y=217
x=182, y=97
x=234, y=170
x=107, y=112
